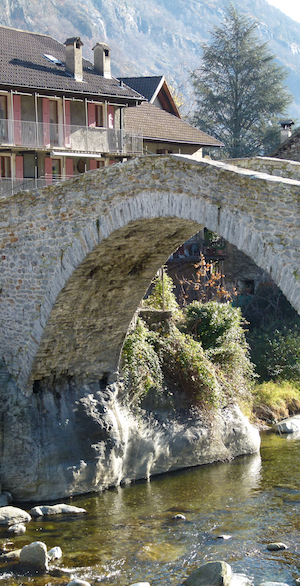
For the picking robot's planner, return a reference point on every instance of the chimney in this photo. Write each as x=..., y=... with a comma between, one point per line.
x=102, y=59
x=74, y=57
x=285, y=129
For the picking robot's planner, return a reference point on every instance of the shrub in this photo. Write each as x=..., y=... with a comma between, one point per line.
x=141, y=364
x=273, y=401
x=275, y=350
x=162, y=290
x=213, y=323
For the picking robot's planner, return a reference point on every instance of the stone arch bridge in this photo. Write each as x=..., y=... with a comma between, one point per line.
x=77, y=257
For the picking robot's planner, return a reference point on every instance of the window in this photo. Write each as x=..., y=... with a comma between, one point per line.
x=52, y=59
x=99, y=115
x=5, y=167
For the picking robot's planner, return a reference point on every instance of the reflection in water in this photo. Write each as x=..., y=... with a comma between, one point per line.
x=130, y=535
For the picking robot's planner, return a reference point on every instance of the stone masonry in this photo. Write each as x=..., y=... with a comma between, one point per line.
x=77, y=257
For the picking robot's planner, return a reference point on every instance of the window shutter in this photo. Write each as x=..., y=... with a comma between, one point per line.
x=67, y=124
x=91, y=115
x=17, y=119
x=69, y=167
x=93, y=164
x=19, y=167
x=46, y=122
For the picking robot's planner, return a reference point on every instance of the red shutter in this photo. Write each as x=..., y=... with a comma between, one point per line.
x=67, y=124
x=17, y=119
x=93, y=164
x=46, y=123
x=110, y=116
x=91, y=115
x=19, y=167
x=69, y=167
x=48, y=170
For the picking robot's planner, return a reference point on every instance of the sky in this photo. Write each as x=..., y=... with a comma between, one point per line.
x=289, y=7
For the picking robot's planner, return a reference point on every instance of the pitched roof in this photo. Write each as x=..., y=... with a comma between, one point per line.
x=153, y=87
x=157, y=125
x=290, y=145
x=147, y=86
x=25, y=63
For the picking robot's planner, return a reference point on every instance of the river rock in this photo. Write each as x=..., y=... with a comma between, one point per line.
x=210, y=574
x=179, y=517
x=276, y=546
x=55, y=553
x=55, y=510
x=78, y=582
x=12, y=515
x=140, y=584
x=35, y=554
x=11, y=556
x=273, y=584
x=289, y=425
x=18, y=529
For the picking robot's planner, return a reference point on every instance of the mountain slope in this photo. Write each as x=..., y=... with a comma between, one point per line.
x=155, y=36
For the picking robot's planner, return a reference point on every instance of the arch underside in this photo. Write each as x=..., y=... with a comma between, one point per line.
x=122, y=225
x=84, y=335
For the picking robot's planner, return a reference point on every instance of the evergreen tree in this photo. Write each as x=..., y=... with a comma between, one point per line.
x=239, y=88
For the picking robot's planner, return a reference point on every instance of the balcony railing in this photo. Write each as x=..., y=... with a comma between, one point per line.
x=69, y=137
x=10, y=186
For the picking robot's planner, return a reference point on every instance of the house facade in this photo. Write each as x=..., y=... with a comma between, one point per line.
x=60, y=115
x=159, y=121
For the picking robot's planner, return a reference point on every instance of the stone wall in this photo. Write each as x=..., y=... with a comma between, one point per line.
x=76, y=258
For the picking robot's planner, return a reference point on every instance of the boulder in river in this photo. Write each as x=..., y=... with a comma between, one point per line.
x=276, y=546
x=55, y=553
x=210, y=574
x=35, y=554
x=289, y=425
x=55, y=510
x=273, y=584
x=12, y=515
x=78, y=582
x=17, y=529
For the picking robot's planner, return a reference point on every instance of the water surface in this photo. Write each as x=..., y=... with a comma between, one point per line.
x=129, y=533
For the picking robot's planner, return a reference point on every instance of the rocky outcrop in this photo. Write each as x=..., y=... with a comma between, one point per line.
x=76, y=438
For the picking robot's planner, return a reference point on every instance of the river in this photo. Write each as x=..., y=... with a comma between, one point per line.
x=129, y=533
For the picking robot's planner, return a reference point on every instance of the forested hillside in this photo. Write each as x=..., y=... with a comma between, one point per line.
x=155, y=36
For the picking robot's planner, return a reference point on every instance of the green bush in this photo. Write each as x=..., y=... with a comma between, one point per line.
x=187, y=368
x=275, y=350
x=213, y=323
x=141, y=364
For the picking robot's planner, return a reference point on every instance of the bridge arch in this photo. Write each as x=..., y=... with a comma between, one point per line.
x=107, y=233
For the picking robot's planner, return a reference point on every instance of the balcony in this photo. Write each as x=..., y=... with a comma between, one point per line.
x=38, y=135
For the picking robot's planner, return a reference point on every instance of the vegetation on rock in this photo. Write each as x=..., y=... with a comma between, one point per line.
x=201, y=358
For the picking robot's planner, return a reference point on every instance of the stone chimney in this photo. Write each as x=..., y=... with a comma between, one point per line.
x=102, y=59
x=74, y=57
x=285, y=129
